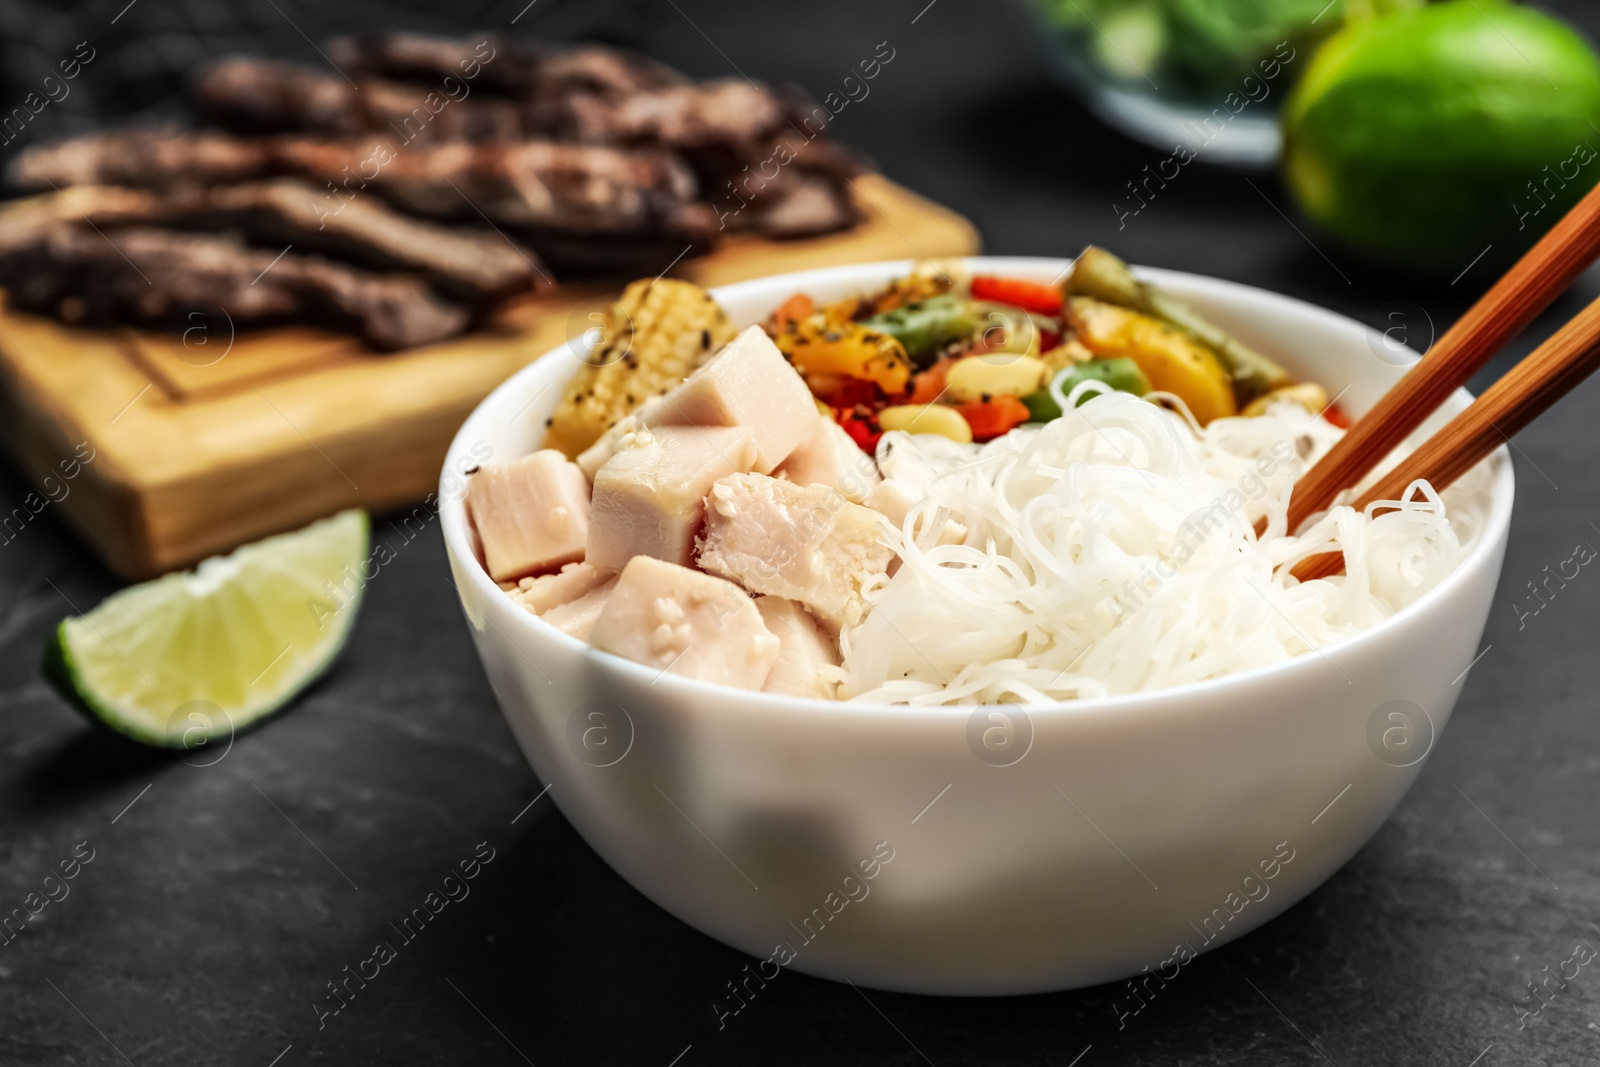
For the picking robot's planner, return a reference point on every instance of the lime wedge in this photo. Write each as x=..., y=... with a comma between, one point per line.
x=193, y=657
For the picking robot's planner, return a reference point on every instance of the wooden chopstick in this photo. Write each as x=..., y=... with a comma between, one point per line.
x=1541, y=275
x=1547, y=374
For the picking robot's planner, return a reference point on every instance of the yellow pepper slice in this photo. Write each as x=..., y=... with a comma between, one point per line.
x=1173, y=363
x=818, y=347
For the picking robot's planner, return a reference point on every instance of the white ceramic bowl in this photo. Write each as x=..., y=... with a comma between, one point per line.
x=1131, y=832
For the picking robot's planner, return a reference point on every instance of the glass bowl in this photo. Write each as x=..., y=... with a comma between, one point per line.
x=1206, y=76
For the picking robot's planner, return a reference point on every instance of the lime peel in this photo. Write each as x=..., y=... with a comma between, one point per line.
x=1416, y=138
x=192, y=657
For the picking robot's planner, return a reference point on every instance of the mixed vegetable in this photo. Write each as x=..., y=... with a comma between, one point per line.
x=973, y=358
x=967, y=357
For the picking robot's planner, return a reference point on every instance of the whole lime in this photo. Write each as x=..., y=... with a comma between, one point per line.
x=1422, y=138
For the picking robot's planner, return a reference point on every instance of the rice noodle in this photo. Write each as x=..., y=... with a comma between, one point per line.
x=1112, y=550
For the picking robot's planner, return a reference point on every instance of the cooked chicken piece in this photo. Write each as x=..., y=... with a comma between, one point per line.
x=532, y=514
x=548, y=591
x=831, y=457
x=803, y=650
x=806, y=543
x=596, y=455
x=748, y=383
x=675, y=619
x=577, y=618
x=891, y=499
x=649, y=499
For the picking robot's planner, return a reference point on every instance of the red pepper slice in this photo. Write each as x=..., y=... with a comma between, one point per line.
x=863, y=433
x=1029, y=296
x=853, y=391
x=797, y=307
x=995, y=417
x=1334, y=414
x=928, y=386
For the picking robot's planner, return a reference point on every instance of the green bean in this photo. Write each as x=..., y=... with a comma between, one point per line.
x=1121, y=374
x=1042, y=407
x=927, y=326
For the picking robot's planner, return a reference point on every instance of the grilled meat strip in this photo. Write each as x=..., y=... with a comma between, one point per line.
x=502, y=66
x=26, y=222
x=727, y=131
x=599, y=69
x=788, y=186
x=147, y=276
x=145, y=159
x=257, y=96
x=490, y=63
x=760, y=161
x=685, y=117
x=476, y=265
x=534, y=188
x=586, y=97
x=578, y=189
x=806, y=207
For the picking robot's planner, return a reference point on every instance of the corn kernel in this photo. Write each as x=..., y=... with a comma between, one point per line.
x=1308, y=395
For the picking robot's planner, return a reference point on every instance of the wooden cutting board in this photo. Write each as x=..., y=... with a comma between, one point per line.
x=179, y=447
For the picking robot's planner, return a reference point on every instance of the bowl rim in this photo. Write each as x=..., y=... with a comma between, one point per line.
x=452, y=511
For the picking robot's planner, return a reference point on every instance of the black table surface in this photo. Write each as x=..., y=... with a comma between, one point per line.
x=221, y=899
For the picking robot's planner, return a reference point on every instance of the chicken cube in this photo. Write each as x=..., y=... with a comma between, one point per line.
x=649, y=499
x=595, y=456
x=577, y=617
x=831, y=457
x=806, y=543
x=548, y=591
x=532, y=514
x=748, y=383
x=803, y=651
x=680, y=620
